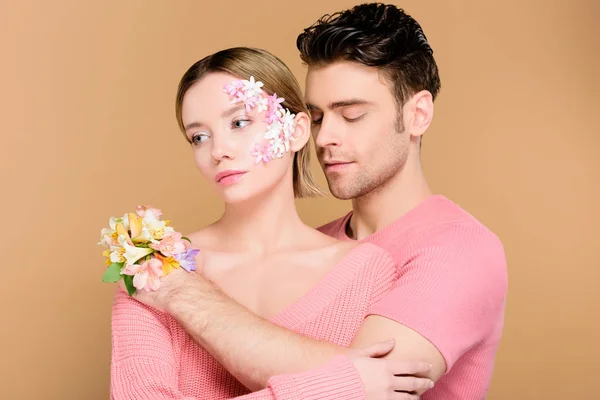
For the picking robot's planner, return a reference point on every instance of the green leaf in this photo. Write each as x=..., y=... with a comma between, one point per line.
x=184, y=238
x=129, y=284
x=113, y=273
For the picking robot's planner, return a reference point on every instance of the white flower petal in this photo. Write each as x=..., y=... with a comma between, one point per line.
x=133, y=253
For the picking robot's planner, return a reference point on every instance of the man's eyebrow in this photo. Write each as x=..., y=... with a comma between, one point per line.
x=340, y=104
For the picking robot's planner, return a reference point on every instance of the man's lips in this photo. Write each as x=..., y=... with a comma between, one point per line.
x=336, y=166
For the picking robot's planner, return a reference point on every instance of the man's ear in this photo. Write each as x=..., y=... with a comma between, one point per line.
x=301, y=131
x=421, y=112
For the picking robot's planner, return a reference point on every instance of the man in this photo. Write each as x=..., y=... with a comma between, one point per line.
x=371, y=83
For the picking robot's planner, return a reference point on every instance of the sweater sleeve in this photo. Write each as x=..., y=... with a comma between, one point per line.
x=383, y=274
x=143, y=364
x=337, y=379
x=452, y=289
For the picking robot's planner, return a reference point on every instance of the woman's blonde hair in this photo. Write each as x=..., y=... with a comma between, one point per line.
x=244, y=62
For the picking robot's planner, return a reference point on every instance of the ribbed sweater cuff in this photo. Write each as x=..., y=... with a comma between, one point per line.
x=338, y=379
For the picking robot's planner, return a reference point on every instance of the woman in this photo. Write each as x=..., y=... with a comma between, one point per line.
x=241, y=111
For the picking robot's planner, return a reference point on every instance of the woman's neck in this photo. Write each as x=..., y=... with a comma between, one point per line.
x=262, y=225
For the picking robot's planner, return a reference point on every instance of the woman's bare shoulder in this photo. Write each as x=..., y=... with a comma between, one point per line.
x=205, y=237
x=324, y=247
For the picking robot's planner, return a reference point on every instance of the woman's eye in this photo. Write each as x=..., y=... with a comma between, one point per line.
x=240, y=123
x=197, y=139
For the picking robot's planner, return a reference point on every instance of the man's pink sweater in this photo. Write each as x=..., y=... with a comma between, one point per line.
x=154, y=358
x=451, y=289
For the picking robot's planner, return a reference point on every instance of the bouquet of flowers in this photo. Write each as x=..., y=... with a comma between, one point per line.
x=141, y=249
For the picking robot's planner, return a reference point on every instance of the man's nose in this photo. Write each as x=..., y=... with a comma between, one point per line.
x=328, y=134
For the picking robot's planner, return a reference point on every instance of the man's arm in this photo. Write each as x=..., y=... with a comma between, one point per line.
x=411, y=345
x=253, y=349
x=143, y=365
x=261, y=354
x=249, y=347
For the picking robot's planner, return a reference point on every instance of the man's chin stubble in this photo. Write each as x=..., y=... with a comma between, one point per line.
x=341, y=192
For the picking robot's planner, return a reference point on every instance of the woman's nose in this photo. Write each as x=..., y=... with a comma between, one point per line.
x=221, y=148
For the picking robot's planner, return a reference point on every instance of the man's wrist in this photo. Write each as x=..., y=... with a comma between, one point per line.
x=186, y=301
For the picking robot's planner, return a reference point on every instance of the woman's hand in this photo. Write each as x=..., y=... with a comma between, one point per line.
x=385, y=379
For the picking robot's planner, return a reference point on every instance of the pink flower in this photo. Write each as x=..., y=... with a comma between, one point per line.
x=147, y=275
x=271, y=116
x=276, y=101
x=261, y=154
x=142, y=211
x=249, y=101
x=262, y=104
x=170, y=244
x=233, y=88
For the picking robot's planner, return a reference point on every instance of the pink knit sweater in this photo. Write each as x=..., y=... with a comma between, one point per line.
x=154, y=358
x=451, y=289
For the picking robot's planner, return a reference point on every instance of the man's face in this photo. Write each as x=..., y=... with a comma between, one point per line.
x=357, y=129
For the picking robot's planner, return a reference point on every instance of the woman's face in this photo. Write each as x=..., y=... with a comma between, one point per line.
x=228, y=140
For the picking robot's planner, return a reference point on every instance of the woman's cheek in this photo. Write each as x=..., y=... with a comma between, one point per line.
x=257, y=139
x=203, y=164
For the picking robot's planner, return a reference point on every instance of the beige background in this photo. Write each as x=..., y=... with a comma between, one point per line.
x=88, y=131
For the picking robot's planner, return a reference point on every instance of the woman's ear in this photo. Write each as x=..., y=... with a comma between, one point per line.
x=301, y=132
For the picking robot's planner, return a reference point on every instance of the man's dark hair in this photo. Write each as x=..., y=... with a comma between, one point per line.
x=377, y=35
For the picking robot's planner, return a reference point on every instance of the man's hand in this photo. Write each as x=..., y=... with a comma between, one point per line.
x=385, y=378
x=171, y=284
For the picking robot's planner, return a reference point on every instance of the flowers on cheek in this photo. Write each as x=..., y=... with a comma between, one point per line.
x=280, y=122
x=289, y=125
x=252, y=88
x=279, y=147
x=262, y=105
x=261, y=153
x=142, y=249
x=248, y=92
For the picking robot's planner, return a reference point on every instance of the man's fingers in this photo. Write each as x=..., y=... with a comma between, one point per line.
x=411, y=384
x=378, y=349
x=403, y=396
x=408, y=368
